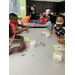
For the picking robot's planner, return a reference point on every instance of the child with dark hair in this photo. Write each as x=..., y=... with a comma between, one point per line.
x=58, y=30
x=27, y=18
x=42, y=18
x=48, y=23
x=14, y=23
x=11, y=38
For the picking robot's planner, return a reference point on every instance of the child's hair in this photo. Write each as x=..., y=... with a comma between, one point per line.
x=28, y=13
x=41, y=13
x=12, y=15
x=61, y=16
x=10, y=30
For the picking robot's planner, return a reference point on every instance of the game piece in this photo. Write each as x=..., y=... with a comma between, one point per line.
x=41, y=34
x=32, y=55
x=28, y=29
x=23, y=51
x=23, y=54
x=27, y=47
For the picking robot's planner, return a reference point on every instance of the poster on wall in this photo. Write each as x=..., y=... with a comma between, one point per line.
x=14, y=6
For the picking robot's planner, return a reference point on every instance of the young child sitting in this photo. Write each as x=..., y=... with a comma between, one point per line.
x=48, y=23
x=58, y=30
x=14, y=23
x=11, y=37
x=42, y=18
x=27, y=18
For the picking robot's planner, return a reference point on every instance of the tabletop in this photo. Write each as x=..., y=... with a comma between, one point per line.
x=31, y=25
x=41, y=63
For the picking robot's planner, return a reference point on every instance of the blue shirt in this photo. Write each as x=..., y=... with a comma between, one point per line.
x=60, y=32
x=48, y=25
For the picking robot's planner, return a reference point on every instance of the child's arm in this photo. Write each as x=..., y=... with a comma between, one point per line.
x=47, y=24
x=23, y=25
x=19, y=31
x=56, y=35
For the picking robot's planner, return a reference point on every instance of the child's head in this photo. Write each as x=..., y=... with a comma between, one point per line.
x=48, y=17
x=41, y=15
x=28, y=14
x=11, y=35
x=60, y=20
x=13, y=18
x=51, y=10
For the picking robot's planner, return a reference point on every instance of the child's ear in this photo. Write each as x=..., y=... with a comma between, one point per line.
x=63, y=22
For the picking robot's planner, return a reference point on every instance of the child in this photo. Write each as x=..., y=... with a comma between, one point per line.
x=27, y=19
x=42, y=18
x=14, y=23
x=58, y=30
x=48, y=23
x=11, y=37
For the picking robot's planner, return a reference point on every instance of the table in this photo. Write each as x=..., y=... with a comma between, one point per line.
x=28, y=23
x=42, y=62
x=31, y=25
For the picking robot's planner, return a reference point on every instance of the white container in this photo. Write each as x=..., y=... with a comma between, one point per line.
x=32, y=43
x=57, y=56
x=47, y=35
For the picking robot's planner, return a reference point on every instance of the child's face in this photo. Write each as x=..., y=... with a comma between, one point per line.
x=14, y=20
x=41, y=15
x=47, y=18
x=59, y=20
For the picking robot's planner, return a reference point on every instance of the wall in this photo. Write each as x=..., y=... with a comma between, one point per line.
x=22, y=13
x=42, y=5
x=48, y=0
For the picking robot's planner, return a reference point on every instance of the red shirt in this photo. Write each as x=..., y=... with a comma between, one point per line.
x=14, y=26
x=43, y=19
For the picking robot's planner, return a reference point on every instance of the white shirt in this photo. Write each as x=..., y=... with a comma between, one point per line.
x=48, y=25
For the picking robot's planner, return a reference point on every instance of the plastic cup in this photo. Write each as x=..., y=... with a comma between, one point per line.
x=47, y=35
x=57, y=56
x=32, y=43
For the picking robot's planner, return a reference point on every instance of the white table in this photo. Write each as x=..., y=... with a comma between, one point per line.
x=31, y=25
x=28, y=23
x=42, y=62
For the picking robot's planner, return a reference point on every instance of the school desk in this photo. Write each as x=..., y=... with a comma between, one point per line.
x=37, y=60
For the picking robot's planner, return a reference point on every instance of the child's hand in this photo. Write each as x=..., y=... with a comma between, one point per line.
x=23, y=46
x=26, y=29
x=51, y=31
x=62, y=41
x=60, y=37
x=27, y=26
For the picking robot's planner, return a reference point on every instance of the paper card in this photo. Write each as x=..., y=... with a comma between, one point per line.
x=27, y=39
x=45, y=32
x=58, y=47
x=22, y=8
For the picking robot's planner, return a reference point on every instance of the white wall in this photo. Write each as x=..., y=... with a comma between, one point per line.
x=49, y=0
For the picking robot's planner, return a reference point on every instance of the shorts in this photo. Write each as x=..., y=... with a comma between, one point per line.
x=20, y=22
